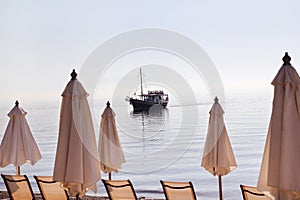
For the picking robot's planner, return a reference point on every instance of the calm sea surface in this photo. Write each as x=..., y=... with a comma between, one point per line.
x=165, y=145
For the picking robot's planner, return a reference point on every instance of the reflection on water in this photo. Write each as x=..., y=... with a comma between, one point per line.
x=150, y=127
x=147, y=133
x=165, y=145
x=150, y=123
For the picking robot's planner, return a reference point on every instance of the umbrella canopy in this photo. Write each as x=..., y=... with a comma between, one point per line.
x=279, y=173
x=18, y=145
x=110, y=150
x=76, y=163
x=218, y=157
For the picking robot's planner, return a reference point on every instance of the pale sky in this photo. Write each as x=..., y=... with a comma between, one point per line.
x=42, y=41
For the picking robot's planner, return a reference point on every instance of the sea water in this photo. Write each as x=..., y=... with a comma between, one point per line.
x=162, y=145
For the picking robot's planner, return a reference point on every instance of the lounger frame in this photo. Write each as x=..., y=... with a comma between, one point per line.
x=44, y=181
x=251, y=193
x=166, y=185
x=9, y=179
x=116, y=185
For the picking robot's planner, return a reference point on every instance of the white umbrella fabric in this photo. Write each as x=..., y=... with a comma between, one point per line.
x=218, y=157
x=279, y=173
x=110, y=150
x=77, y=162
x=18, y=145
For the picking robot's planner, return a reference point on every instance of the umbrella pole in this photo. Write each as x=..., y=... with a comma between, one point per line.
x=109, y=176
x=220, y=187
x=18, y=170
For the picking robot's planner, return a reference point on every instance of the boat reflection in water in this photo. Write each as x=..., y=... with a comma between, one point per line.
x=148, y=129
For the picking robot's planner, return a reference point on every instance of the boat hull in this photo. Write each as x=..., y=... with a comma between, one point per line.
x=140, y=105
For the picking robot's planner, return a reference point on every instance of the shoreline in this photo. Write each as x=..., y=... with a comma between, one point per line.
x=4, y=195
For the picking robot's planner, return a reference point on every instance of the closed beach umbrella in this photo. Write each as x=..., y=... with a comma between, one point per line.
x=76, y=163
x=18, y=145
x=218, y=157
x=279, y=173
x=110, y=150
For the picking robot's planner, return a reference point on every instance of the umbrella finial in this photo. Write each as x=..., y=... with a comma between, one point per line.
x=216, y=100
x=17, y=103
x=73, y=75
x=286, y=59
x=108, y=104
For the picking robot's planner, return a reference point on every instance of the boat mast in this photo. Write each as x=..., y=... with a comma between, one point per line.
x=141, y=81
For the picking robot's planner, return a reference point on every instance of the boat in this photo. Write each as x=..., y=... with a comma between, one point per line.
x=153, y=98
